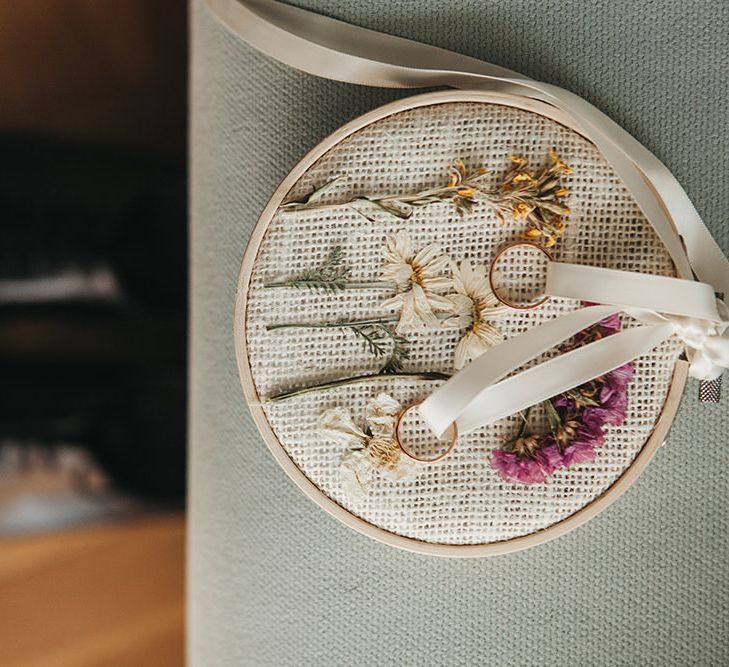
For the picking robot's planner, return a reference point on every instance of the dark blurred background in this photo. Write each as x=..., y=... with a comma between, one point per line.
x=93, y=263
x=93, y=307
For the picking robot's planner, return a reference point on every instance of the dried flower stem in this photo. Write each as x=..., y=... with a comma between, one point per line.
x=375, y=284
x=331, y=325
x=461, y=190
x=331, y=275
x=377, y=333
x=532, y=195
x=355, y=379
x=344, y=324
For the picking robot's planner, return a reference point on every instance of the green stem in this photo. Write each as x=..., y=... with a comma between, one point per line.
x=552, y=416
x=444, y=191
x=524, y=426
x=332, y=325
x=354, y=380
x=376, y=284
x=344, y=324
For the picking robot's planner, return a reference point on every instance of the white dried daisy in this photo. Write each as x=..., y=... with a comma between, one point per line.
x=473, y=304
x=417, y=276
x=372, y=452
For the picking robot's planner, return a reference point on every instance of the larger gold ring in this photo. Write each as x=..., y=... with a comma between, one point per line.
x=450, y=445
x=494, y=262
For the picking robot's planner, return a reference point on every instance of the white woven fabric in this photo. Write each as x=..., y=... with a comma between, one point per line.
x=460, y=500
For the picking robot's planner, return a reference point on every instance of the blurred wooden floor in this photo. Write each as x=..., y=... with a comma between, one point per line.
x=110, y=595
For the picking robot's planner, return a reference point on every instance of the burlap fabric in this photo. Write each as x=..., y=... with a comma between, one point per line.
x=460, y=500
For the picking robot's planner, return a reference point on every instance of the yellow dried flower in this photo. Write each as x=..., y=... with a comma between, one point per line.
x=534, y=195
x=523, y=177
x=564, y=168
x=520, y=210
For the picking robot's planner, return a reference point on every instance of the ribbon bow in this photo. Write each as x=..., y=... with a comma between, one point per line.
x=707, y=343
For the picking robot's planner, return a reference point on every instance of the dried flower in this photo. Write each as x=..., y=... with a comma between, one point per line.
x=524, y=194
x=462, y=189
x=577, y=452
x=577, y=421
x=550, y=456
x=331, y=275
x=418, y=276
x=514, y=468
x=473, y=304
x=370, y=452
x=338, y=425
x=534, y=196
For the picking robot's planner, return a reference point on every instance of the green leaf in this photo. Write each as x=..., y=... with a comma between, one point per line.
x=552, y=416
x=331, y=275
x=377, y=337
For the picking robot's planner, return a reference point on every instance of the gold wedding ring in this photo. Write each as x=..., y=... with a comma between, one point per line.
x=499, y=255
x=450, y=444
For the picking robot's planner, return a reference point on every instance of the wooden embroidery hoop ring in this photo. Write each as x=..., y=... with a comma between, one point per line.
x=584, y=514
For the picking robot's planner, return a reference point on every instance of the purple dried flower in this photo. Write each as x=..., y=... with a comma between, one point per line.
x=577, y=452
x=593, y=418
x=563, y=403
x=514, y=468
x=590, y=434
x=617, y=380
x=577, y=419
x=611, y=412
x=611, y=323
x=550, y=457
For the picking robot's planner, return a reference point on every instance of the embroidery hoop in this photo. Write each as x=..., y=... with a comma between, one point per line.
x=619, y=486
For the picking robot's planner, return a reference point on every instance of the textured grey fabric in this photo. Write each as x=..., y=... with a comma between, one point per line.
x=273, y=580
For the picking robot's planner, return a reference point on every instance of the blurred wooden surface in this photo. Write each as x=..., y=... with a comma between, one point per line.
x=111, y=595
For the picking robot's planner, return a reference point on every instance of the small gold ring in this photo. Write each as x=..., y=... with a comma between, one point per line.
x=494, y=262
x=451, y=444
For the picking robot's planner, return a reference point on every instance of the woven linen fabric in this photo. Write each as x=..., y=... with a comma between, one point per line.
x=460, y=500
x=273, y=580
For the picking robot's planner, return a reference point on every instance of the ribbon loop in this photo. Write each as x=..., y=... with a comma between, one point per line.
x=450, y=400
x=662, y=294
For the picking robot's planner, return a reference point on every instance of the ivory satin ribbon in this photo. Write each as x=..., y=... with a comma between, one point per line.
x=478, y=394
x=336, y=50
